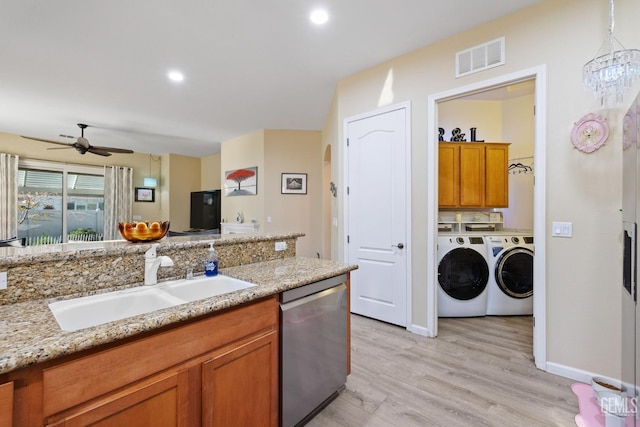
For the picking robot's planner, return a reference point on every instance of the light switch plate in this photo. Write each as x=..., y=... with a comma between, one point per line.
x=562, y=229
x=137, y=217
x=281, y=246
x=3, y=280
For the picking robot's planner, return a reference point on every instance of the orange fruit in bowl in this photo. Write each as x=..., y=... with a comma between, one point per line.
x=143, y=231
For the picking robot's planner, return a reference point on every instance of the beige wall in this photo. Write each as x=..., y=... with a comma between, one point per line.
x=333, y=207
x=583, y=272
x=486, y=116
x=276, y=152
x=243, y=152
x=290, y=151
x=518, y=128
x=184, y=175
x=210, y=173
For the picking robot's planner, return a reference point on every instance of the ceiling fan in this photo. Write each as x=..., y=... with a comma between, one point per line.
x=82, y=145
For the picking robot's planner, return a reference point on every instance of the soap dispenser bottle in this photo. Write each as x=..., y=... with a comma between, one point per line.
x=211, y=264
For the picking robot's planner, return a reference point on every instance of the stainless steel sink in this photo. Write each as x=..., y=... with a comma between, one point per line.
x=84, y=312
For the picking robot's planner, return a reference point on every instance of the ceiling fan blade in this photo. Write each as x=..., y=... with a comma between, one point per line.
x=47, y=140
x=98, y=151
x=60, y=148
x=113, y=150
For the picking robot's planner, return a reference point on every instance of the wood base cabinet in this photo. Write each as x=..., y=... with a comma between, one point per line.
x=6, y=404
x=473, y=175
x=221, y=370
x=237, y=385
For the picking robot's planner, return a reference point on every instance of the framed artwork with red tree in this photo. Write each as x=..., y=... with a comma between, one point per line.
x=241, y=182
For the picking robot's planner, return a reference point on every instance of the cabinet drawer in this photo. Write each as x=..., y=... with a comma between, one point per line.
x=80, y=380
x=157, y=401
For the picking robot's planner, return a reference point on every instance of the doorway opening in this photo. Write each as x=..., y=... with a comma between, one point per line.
x=496, y=88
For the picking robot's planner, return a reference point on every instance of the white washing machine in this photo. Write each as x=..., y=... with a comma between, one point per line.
x=510, y=290
x=463, y=274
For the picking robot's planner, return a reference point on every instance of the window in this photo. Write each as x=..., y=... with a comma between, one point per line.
x=60, y=203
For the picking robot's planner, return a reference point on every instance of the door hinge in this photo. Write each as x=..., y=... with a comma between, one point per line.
x=347, y=239
x=347, y=191
x=347, y=142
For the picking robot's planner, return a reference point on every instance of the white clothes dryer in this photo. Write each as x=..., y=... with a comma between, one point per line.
x=463, y=274
x=510, y=289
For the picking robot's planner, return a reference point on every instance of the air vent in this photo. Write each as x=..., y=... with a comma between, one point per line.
x=480, y=57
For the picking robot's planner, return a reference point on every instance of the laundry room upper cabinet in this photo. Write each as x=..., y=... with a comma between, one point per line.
x=473, y=175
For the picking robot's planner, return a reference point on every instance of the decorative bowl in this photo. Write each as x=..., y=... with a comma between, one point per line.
x=143, y=231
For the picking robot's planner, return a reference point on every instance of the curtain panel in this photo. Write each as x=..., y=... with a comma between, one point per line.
x=118, y=199
x=8, y=196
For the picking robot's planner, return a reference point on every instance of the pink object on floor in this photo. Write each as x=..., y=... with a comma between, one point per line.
x=590, y=413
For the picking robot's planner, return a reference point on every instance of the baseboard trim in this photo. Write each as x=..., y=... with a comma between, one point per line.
x=420, y=330
x=574, y=373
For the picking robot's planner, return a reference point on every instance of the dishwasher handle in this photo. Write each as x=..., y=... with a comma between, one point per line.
x=313, y=297
x=311, y=288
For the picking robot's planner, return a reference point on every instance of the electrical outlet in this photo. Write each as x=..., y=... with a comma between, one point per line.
x=137, y=217
x=281, y=246
x=3, y=280
x=268, y=219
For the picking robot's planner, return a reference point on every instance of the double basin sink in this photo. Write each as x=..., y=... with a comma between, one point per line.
x=84, y=312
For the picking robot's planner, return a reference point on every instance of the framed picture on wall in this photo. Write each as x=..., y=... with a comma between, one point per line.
x=241, y=182
x=294, y=183
x=143, y=194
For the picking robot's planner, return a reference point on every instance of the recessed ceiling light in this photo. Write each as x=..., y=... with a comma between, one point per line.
x=176, y=76
x=319, y=16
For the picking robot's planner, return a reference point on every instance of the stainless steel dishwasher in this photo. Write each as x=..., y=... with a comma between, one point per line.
x=313, y=348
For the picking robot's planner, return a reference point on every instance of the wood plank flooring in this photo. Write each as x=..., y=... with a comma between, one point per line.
x=478, y=372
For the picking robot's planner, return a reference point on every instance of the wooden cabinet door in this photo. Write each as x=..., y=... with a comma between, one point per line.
x=6, y=404
x=472, y=179
x=497, y=176
x=448, y=175
x=240, y=386
x=156, y=402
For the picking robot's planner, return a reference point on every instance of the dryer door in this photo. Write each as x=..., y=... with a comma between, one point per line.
x=463, y=273
x=514, y=272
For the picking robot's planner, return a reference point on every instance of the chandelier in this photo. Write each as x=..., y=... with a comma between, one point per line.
x=611, y=73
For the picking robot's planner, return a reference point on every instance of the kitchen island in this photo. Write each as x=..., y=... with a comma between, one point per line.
x=174, y=355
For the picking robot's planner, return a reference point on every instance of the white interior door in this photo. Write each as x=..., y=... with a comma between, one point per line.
x=377, y=214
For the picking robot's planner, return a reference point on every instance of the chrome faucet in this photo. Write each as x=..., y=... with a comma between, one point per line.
x=151, y=264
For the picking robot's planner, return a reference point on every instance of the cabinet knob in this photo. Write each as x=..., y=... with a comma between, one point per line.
x=399, y=246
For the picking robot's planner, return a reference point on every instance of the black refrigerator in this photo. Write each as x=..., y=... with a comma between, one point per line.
x=205, y=210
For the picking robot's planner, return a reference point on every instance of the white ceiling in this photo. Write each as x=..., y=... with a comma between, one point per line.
x=248, y=65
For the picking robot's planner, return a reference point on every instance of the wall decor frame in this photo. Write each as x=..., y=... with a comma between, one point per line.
x=144, y=194
x=241, y=182
x=294, y=183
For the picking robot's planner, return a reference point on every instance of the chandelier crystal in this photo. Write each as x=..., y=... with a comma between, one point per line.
x=609, y=75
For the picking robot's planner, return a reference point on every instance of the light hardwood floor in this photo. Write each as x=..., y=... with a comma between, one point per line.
x=478, y=372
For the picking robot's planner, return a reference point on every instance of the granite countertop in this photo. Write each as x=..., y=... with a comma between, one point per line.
x=29, y=333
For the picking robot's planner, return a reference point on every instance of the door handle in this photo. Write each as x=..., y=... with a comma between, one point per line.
x=399, y=246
